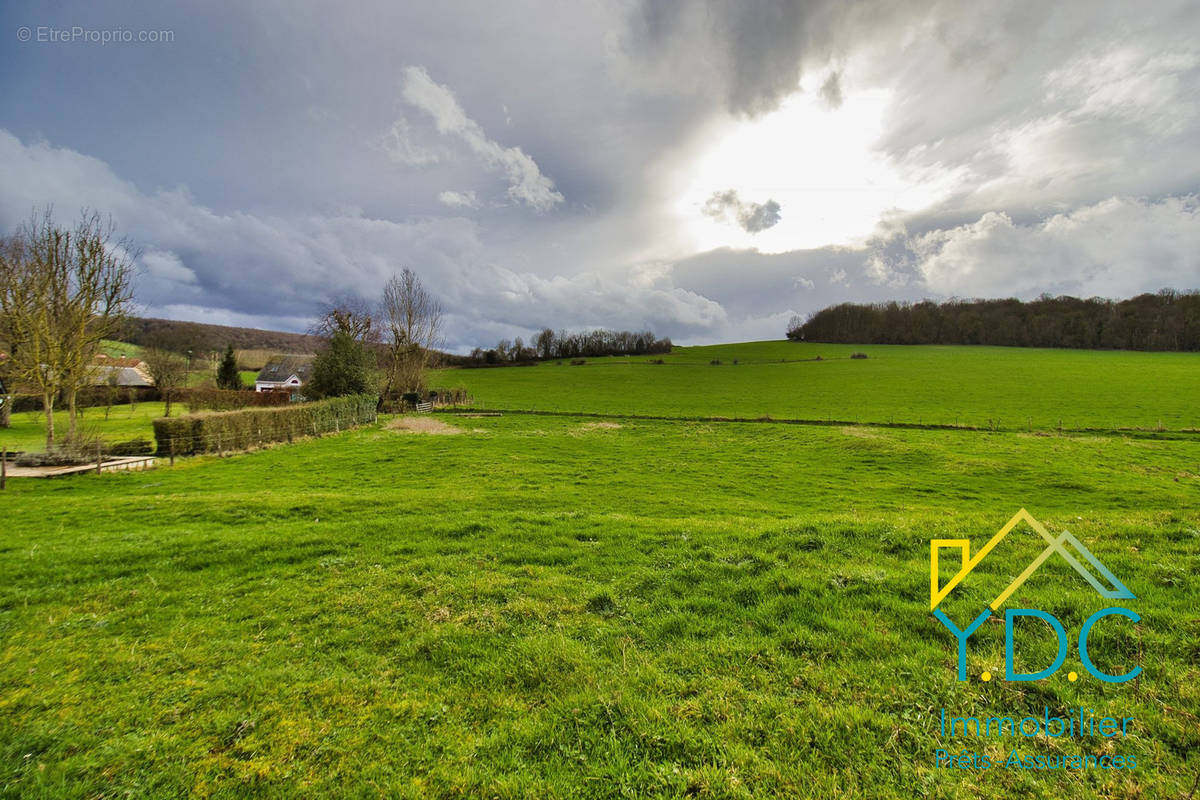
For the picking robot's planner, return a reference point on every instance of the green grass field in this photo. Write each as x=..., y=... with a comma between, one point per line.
x=120, y=424
x=1011, y=388
x=568, y=607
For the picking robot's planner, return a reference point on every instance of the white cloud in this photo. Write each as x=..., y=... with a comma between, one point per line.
x=400, y=145
x=452, y=199
x=1116, y=248
x=527, y=184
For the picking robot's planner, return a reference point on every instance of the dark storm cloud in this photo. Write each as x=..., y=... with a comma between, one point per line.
x=751, y=217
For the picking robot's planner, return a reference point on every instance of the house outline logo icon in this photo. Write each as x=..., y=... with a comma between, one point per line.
x=1054, y=544
x=1074, y=553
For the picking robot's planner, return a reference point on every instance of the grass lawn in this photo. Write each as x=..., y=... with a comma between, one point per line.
x=552, y=607
x=1011, y=388
x=122, y=423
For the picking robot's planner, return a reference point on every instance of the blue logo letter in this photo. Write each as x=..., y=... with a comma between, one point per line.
x=1053, y=622
x=1083, y=651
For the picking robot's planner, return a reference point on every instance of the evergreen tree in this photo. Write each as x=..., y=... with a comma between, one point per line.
x=227, y=373
x=343, y=368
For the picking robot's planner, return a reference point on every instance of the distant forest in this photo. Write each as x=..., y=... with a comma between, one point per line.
x=548, y=344
x=204, y=337
x=1168, y=320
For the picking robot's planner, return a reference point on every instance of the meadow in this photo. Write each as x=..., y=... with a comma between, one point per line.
x=561, y=607
x=1004, y=387
x=556, y=607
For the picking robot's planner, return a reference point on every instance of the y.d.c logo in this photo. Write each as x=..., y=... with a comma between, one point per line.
x=1065, y=546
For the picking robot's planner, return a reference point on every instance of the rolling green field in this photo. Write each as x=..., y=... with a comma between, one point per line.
x=1007, y=387
x=556, y=606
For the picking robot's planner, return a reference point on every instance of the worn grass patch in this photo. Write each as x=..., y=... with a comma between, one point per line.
x=429, y=425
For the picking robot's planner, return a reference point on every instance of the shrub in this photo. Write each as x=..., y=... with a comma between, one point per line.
x=133, y=447
x=576, y=362
x=657, y=361
x=858, y=355
x=239, y=430
x=716, y=362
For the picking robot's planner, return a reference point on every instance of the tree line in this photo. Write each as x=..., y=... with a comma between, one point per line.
x=1167, y=320
x=548, y=344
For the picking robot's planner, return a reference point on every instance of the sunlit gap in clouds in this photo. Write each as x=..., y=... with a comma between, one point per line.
x=821, y=166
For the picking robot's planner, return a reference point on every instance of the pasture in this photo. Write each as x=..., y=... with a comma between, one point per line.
x=556, y=607
x=562, y=607
x=1005, y=387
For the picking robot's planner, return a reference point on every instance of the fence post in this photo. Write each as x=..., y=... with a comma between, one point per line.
x=172, y=440
x=3, y=466
x=99, y=458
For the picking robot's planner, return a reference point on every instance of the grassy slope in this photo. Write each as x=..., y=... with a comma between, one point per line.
x=1014, y=387
x=540, y=608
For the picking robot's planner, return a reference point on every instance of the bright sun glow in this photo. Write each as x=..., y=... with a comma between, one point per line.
x=818, y=163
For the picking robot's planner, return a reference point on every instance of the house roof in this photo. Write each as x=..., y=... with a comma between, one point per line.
x=114, y=361
x=125, y=376
x=279, y=368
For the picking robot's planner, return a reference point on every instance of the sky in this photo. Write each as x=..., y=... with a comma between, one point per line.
x=705, y=170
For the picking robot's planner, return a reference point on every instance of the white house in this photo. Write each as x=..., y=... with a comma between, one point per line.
x=283, y=374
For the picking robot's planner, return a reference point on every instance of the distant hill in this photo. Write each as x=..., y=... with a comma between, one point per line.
x=201, y=337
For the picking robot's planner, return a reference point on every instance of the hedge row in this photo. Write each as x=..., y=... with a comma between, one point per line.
x=197, y=399
x=241, y=430
x=231, y=399
x=90, y=397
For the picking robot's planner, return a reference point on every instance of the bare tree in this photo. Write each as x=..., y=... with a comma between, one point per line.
x=62, y=291
x=413, y=321
x=169, y=371
x=351, y=315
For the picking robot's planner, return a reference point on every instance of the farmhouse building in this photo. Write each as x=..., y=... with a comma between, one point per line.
x=283, y=374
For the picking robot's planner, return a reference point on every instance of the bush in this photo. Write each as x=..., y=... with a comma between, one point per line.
x=240, y=430
x=657, y=361
x=578, y=362
x=858, y=355
x=133, y=447
x=716, y=362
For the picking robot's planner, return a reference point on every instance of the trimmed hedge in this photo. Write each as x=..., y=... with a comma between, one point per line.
x=88, y=397
x=231, y=399
x=241, y=430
